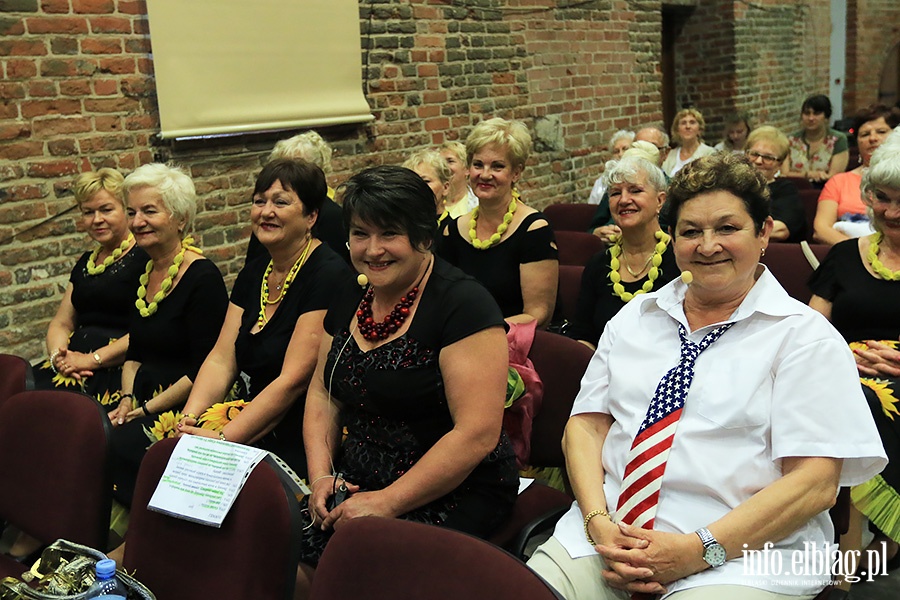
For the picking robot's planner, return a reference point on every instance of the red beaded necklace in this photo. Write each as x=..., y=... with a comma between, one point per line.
x=373, y=331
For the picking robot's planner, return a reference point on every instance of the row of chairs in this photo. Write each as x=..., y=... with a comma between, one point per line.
x=64, y=494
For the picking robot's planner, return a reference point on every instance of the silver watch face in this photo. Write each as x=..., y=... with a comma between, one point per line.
x=715, y=555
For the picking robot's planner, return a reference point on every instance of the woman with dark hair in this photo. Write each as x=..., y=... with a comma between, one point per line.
x=817, y=151
x=841, y=213
x=406, y=404
x=273, y=327
x=700, y=434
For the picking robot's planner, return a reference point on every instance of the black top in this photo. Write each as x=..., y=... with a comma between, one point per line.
x=785, y=206
x=329, y=228
x=107, y=299
x=497, y=268
x=597, y=303
x=174, y=341
x=260, y=356
x=863, y=307
x=394, y=403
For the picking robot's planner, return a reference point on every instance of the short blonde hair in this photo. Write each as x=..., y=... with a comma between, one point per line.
x=174, y=185
x=309, y=146
x=457, y=148
x=684, y=112
x=512, y=135
x=771, y=135
x=89, y=183
x=430, y=158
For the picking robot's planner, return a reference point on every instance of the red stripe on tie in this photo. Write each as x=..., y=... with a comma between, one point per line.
x=639, y=509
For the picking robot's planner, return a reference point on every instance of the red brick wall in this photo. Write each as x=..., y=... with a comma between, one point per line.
x=873, y=29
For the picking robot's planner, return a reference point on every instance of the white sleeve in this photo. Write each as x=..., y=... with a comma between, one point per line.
x=592, y=397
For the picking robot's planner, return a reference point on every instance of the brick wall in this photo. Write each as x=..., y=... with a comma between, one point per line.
x=77, y=93
x=873, y=29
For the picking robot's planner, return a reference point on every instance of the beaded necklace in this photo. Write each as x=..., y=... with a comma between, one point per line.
x=501, y=228
x=264, y=287
x=165, y=287
x=877, y=266
x=373, y=331
x=94, y=269
x=655, y=259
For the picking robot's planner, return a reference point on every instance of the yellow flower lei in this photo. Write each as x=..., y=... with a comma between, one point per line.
x=147, y=310
x=264, y=287
x=877, y=266
x=93, y=269
x=656, y=260
x=501, y=228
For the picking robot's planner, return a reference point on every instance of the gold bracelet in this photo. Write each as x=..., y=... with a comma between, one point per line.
x=587, y=520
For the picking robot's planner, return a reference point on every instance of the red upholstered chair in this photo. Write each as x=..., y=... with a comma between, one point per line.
x=560, y=363
x=791, y=268
x=386, y=559
x=570, y=217
x=577, y=247
x=569, y=287
x=254, y=554
x=15, y=376
x=54, y=469
x=809, y=198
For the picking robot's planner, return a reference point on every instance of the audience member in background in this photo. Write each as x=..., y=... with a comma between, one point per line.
x=750, y=385
x=766, y=149
x=273, y=326
x=406, y=404
x=504, y=243
x=180, y=307
x=737, y=128
x=640, y=260
x=687, y=134
x=312, y=148
x=460, y=199
x=618, y=144
x=817, y=151
x=602, y=225
x=435, y=171
x=841, y=213
x=857, y=288
x=88, y=337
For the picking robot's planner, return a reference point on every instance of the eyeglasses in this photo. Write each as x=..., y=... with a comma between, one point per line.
x=766, y=157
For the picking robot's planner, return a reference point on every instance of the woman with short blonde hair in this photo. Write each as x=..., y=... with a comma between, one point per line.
x=687, y=132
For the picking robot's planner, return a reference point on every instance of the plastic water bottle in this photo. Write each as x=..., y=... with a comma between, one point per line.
x=106, y=585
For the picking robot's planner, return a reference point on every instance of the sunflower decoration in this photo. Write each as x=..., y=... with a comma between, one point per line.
x=107, y=399
x=895, y=344
x=60, y=380
x=885, y=395
x=164, y=427
x=217, y=416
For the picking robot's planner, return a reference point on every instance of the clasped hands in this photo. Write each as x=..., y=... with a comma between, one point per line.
x=877, y=360
x=357, y=504
x=70, y=363
x=643, y=560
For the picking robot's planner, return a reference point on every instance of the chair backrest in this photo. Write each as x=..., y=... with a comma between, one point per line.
x=54, y=465
x=385, y=559
x=560, y=362
x=577, y=247
x=254, y=554
x=809, y=199
x=570, y=217
x=569, y=288
x=15, y=376
x=802, y=183
x=791, y=268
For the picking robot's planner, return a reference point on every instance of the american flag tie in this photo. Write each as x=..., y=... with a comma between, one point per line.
x=650, y=449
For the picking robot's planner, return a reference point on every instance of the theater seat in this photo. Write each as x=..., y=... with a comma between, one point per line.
x=809, y=199
x=570, y=217
x=791, y=267
x=577, y=247
x=569, y=288
x=374, y=558
x=15, y=376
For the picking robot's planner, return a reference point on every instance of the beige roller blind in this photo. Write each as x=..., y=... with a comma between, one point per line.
x=239, y=66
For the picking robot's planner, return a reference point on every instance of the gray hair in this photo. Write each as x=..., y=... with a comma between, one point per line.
x=433, y=159
x=884, y=167
x=308, y=146
x=619, y=135
x=630, y=168
x=659, y=129
x=174, y=185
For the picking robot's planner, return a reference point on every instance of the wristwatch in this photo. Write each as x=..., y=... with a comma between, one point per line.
x=713, y=552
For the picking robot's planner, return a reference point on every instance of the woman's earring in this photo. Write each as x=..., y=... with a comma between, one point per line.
x=762, y=252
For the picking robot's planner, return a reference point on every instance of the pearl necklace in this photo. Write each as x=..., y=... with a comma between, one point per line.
x=165, y=287
x=501, y=228
x=94, y=269
x=877, y=266
x=375, y=332
x=655, y=259
x=264, y=287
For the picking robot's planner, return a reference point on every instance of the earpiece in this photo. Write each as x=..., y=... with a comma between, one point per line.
x=362, y=280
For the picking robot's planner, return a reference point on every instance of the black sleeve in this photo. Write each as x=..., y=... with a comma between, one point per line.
x=445, y=244
x=245, y=292
x=823, y=282
x=540, y=243
x=469, y=308
x=786, y=207
x=330, y=275
x=205, y=315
